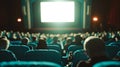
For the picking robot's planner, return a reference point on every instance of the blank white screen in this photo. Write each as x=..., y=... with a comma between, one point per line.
x=57, y=11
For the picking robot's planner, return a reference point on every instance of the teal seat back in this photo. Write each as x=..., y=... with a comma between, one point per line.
x=107, y=64
x=6, y=55
x=28, y=64
x=79, y=55
x=19, y=50
x=43, y=55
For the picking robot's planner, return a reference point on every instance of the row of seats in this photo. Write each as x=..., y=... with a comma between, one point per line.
x=21, y=49
x=32, y=55
x=43, y=55
x=29, y=64
x=23, y=53
x=50, y=64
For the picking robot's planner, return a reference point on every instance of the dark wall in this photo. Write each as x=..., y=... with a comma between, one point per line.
x=101, y=9
x=114, y=15
x=108, y=13
x=4, y=13
x=10, y=10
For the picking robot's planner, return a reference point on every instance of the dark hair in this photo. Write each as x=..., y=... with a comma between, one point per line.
x=41, y=44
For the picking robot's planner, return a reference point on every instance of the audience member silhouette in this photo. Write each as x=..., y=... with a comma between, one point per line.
x=41, y=44
x=55, y=41
x=25, y=41
x=78, y=40
x=95, y=49
x=5, y=54
x=34, y=39
x=4, y=43
x=68, y=43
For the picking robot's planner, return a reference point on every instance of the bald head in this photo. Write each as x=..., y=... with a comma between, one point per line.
x=94, y=46
x=4, y=43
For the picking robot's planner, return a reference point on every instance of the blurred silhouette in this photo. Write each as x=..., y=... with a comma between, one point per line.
x=95, y=49
x=4, y=43
x=78, y=40
x=41, y=44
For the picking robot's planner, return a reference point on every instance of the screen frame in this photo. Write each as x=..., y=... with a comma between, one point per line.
x=36, y=21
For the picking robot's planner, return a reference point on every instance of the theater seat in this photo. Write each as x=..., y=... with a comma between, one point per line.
x=74, y=48
x=55, y=47
x=6, y=55
x=19, y=50
x=118, y=53
x=111, y=51
x=15, y=42
x=43, y=55
x=107, y=64
x=118, y=56
x=79, y=55
x=29, y=64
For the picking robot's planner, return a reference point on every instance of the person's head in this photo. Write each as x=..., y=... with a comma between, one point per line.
x=68, y=41
x=25, y=41
x=41, y=43
x=78, y=38
x=94, y=46
x=34, y=38
x=4, y=43
x=55, y=39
